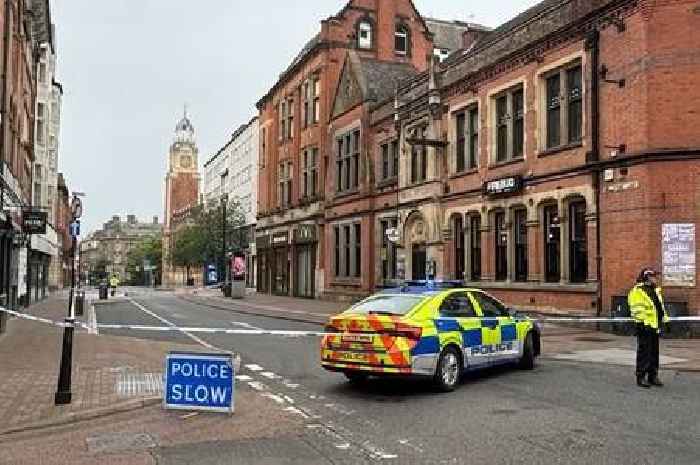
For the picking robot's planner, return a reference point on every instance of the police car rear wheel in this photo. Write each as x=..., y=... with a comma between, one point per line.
x=449, y=370
x=527, y=362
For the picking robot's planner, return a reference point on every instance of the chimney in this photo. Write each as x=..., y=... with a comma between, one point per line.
x=155, y=219
x=470, y=37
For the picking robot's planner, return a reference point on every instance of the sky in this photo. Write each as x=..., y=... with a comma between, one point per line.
x=128, y=67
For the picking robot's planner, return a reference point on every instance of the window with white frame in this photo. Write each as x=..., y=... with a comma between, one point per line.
x=364, y=35
x=509, y=124
x=563, y=106
x=401, y=40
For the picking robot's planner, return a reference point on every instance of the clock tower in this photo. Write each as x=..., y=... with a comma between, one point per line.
x=181, y=189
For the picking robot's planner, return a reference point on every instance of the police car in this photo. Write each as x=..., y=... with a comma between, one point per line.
x=429, y=329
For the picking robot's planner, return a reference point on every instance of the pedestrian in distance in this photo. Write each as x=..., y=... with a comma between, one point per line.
x=647, y=307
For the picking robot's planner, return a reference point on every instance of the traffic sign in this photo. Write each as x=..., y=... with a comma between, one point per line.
x=74, y=229
x=76, y=207
x=196, y=381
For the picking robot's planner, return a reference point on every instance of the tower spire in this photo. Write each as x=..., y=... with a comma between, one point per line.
x=185, y=110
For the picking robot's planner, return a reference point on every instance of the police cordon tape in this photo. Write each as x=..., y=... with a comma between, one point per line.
x=290, y=333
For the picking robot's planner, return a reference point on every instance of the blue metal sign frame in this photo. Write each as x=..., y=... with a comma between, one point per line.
x=199, y=381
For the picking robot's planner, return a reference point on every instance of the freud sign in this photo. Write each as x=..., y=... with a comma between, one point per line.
x=196, y=381
x=34, y=222
x=503, y=186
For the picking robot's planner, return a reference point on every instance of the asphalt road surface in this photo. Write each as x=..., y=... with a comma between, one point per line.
x=562, y=412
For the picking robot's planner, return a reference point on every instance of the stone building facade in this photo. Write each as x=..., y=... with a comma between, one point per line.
x=44, y=267
x=181, y=194
x=112, y=245
x=297, y=151
x=233, y=172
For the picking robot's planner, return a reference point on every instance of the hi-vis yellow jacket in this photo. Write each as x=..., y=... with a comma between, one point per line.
x=114, y=281
x=642, y=307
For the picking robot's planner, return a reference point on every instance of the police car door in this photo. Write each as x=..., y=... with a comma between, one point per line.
x=457, y=315
x=498, y=328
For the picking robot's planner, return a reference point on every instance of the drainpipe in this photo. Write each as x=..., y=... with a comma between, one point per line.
x=593, y=44
x=3, y=103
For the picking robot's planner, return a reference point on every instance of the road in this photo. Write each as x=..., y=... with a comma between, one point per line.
x=563, y=412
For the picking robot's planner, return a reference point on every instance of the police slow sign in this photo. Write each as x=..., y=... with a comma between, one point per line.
x=195, y=381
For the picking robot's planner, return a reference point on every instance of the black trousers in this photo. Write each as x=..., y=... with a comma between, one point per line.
x=647, y=351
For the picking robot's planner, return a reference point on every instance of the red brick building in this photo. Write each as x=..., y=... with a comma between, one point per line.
x=560, y=156
x=19, y=55
x=547, y=161
x=297, y=152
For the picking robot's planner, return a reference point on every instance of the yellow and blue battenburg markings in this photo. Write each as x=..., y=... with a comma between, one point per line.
x=483, y=340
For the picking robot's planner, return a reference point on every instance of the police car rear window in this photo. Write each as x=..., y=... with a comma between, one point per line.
x=387, y=304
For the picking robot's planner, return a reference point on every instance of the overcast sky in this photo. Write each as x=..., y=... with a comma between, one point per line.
x=128, y=66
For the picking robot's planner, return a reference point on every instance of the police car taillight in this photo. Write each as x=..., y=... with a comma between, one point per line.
x=404, y=330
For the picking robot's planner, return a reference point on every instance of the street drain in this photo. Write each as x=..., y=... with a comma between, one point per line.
x=109, y=443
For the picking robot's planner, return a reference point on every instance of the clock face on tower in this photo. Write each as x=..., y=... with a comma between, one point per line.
x=186, y=161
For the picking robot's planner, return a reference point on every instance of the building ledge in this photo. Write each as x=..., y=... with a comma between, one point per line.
x=585, y=288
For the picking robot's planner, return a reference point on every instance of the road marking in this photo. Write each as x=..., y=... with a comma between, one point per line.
x=257, y=385
x=254, y=367
x=275, y=397
x=196, y=339
x=269, y=375
x=243, y=324
x=243, y=378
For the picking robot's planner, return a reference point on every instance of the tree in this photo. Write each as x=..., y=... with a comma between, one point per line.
x=187, y=248
x=150, y=250
x=200, y=241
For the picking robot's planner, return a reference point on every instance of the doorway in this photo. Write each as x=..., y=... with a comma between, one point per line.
x=418, y=262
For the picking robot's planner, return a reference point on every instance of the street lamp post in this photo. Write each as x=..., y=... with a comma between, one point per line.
x=224, y=201
x=63, y=392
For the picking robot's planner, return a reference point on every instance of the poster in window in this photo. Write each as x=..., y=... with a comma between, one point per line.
x=678, y=249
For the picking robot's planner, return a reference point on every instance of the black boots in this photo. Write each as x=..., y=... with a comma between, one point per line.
x=654, y=380
x=642, y=382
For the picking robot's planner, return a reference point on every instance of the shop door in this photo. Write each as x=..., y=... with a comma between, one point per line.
x=305, y=273
x=280, y=283
x=418, y=263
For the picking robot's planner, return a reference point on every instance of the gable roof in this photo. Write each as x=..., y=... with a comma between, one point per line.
x=377, y=81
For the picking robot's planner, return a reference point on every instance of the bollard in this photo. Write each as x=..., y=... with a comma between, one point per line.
x=80, y=303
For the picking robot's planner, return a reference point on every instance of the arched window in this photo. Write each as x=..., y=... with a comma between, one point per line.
x=364, y=34
x=401, y=40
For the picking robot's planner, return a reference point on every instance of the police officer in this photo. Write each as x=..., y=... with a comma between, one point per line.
x=647, y=307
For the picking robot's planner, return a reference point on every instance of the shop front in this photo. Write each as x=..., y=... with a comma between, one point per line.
x=305, y=241
x=272, y=254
